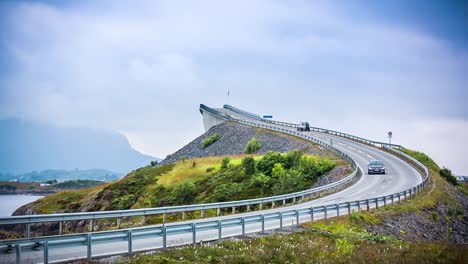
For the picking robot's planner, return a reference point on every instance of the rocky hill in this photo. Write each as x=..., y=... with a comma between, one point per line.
x=233, y=139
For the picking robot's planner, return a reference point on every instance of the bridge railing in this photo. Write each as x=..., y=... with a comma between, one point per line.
x=316, y=129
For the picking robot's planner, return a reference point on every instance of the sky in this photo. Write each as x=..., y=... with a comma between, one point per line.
x=360, y=66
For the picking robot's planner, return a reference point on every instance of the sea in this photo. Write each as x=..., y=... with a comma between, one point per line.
x=9, y=203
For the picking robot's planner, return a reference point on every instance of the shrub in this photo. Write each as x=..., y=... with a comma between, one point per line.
x=209, y=140
x=184, y=193
x=447, y=174
x=252, y=146
x=210, y=169
x=266, y=164
x=154, y=163
x=249, y=165
x=225, y=162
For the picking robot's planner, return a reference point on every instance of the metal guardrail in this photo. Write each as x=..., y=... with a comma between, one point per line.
x=163, y=231
x=316, y=129
x=302, y=195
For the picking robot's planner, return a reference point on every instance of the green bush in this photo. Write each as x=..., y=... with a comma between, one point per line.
x=266, y=164
x=210, y=140
x=184, y=193
x=447, y=174
x=252, y=146
x=248, y=163
x=225, y=162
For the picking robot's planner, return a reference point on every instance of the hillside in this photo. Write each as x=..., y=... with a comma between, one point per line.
x=234, y=138
x=206, y=179
x=430, y=228
x=26, y=146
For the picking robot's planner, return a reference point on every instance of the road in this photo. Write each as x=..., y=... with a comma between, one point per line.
x=400, y=176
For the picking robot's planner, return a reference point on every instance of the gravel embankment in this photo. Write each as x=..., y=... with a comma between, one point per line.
x=235, y=136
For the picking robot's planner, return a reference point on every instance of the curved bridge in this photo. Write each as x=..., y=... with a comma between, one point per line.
x=405, y=177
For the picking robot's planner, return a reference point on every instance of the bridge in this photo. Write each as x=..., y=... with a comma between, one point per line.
x=357, y=191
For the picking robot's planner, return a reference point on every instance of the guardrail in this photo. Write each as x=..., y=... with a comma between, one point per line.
x=162, y=232
x=92, y=216
x=316, y=129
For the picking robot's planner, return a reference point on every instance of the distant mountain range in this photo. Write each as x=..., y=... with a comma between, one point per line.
x=62, y=175
x=27, y=146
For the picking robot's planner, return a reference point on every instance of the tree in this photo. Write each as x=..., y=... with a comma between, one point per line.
x=447, y=174
x=262, y=181
x=278, y=170
x=249, y=165
x=154, y=163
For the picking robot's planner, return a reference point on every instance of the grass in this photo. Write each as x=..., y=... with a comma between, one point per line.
x=330, y=241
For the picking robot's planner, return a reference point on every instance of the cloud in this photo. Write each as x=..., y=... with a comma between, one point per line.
x=142, y=69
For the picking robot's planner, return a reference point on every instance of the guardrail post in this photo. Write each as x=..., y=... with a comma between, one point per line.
x=202, y=212
x=325, y=211
x=248, y=208
x=281, y=220
x=164, y=233
x=218, y=211
x=88, y=247
x=272, y=204
x=164, y=218
x=337, y=210
x=219, y=230
x=261, y=205
x=284, y=202
x=263, y=223
x=91, y=225
x=243, y=226
x=46, y=252
x=18, y=253
x=367, y=205
x=60, y=227
x=312, y=214
x=143, y=219
x=349, y=207
x=294, y=200
x=183, y=216
x=233, y=210
x=297, y=218
x=119, y=220
x=194, y=233
x=129, y=245
x=302, y=198
x=28, y=230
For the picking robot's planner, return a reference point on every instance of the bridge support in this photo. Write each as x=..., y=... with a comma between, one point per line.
x=367, y=205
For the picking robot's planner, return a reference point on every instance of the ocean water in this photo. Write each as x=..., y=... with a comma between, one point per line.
x=9, y=203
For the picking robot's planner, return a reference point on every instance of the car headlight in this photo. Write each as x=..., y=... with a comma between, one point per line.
x=383, y=168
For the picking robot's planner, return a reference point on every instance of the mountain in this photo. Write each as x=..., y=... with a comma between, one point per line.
x=28, y=146
x=63, y=175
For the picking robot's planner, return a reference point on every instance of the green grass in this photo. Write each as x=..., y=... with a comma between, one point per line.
x=331, y=241
x=210, y=140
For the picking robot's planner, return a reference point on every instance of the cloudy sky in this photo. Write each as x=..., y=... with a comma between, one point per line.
x=362, y=67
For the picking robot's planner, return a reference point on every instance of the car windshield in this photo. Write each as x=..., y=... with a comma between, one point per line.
x=376, y=162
